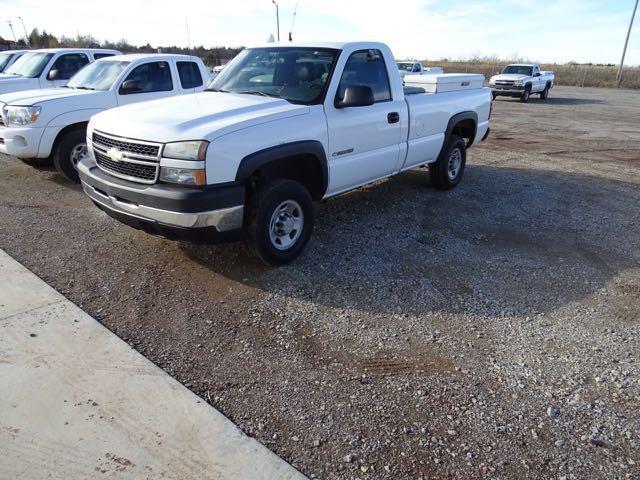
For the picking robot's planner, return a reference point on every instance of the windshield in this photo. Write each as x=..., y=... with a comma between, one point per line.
x=519, y=70
x=5, y=58
x=30, y=65
x=298, y=75
x=98, y=75
x=405, y=66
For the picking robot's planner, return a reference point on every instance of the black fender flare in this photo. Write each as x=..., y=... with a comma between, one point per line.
x=255, y=161
x=453, y=121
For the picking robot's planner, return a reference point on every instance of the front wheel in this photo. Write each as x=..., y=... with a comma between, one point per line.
x=525, y=95
x=447, y=171
x=71, y=149
x=279, y=221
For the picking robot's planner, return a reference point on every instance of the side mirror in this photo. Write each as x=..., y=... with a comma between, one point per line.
x=355, y=96
x=54, y=74
x=130, y=86
x=537, y=74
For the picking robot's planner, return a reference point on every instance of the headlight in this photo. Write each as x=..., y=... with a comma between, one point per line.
x=518, y=83
x=183, y=176
x=21, y=116
x=193, y=150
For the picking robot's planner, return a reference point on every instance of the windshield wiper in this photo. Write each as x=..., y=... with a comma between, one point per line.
x=84, y=88
x=256, y=92
x=215, y=90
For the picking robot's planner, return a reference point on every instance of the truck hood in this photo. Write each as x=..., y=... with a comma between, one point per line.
x=11, y=83
x=509, y=76
x=197, y=116
x=33, y=97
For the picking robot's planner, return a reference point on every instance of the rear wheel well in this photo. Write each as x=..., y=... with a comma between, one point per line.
x=465, y=129
x=305, y=169
x=64, y=131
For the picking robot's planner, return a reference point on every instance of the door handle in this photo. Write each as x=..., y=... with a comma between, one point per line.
x=393, y=117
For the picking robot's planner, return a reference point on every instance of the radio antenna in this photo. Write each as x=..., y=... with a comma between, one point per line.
x=295, y=11
x=186, y=19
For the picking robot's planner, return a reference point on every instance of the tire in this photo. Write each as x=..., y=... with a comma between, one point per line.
x=494, y=96
x=525, y=95
x=70, y=149
x=545, y=93
x=443, y=176
x=263, y=236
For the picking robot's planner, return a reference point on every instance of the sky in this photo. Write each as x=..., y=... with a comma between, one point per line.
x=537, y=30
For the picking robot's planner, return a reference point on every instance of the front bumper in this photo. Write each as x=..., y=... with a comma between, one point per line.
x=509, y=90
x=211, y=213
x=21, y=142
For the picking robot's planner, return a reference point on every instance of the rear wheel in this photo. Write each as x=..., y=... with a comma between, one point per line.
x=279, y=221
x=545, y=93
x=71, y=149
x=447, y=171
x=525, y=95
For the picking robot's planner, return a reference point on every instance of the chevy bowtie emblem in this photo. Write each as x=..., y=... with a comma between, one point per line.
x=115, y=154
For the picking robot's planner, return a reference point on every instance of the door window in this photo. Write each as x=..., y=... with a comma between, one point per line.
x=366, y=68
x=98, y=56
x=152, y=77
x=69, y=64
x=189, y=74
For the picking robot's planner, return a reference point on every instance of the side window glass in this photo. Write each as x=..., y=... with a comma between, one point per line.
x=189, y=74
x=69, y=64
x=151, y=77
x=367, y=68
x=98, y=56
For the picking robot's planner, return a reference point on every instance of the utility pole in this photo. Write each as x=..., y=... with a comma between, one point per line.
x=277, y=17
x=26, y=37
x=626, y=42
x=12, y=32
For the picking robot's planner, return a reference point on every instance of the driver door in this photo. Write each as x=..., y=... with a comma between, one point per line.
x=154, y=80
x=364, y=141
x=63, y=68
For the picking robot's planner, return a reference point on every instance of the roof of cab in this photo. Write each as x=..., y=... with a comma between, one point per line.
x=56, y=50
x=332, y=45
x=132, y=57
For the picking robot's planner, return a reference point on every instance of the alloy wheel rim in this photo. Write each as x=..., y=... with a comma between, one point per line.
x=454, y=164
x=78, y=154
x=285, y=227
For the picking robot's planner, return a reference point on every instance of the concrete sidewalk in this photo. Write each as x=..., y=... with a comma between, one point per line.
x=76, y=402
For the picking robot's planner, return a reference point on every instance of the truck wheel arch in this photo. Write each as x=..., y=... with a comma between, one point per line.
x=65, y=130
x=463, y=124
x=303, y=161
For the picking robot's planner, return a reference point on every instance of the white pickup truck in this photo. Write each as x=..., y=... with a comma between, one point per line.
x=39, y=124
x=413, y=67
x=250, y=154
x=49, y=67
x=9, y=57
x=521, y=80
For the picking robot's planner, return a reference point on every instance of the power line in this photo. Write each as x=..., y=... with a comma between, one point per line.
x=626, y=42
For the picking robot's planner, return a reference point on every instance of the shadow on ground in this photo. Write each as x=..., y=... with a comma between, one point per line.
x=506, y=241
x=556, y=101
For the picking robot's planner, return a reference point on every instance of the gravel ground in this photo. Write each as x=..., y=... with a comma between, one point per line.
x=490, y=331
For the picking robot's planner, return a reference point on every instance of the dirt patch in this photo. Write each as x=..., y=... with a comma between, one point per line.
x=423, y=334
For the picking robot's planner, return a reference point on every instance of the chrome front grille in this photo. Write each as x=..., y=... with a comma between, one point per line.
x=134, y=147
x=506, y=83
x=2, y=122
x=131, y=171
x=134, y=160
